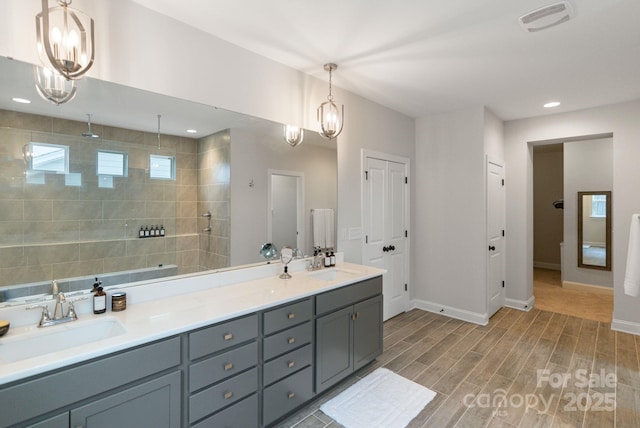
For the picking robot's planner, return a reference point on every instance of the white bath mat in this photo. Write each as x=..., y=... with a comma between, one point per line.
x=382, y=399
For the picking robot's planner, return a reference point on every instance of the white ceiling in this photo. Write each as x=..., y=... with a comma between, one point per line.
x=422, y=57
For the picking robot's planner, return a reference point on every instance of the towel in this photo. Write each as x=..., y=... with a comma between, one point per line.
x=632, y=274
x=328, y=231
x=323, y=227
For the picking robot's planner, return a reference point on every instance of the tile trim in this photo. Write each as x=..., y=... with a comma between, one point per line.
x=461, y=314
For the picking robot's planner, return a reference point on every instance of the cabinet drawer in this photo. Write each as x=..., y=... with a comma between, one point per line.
x=284, y=396
x=59, y=421
x=86, y=380
x=222, y=336
x=230, y=363
x=288, y=363
x=223, y=394
x=348, y=295
x=287, y=340
x=287, y=316
x=241, y=415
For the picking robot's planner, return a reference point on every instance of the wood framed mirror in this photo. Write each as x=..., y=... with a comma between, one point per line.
x=594, y=230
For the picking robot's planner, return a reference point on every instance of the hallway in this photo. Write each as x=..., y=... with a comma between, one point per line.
x=550, y=296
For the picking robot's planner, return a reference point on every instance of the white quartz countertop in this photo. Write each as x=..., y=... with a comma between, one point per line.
x=202, y=300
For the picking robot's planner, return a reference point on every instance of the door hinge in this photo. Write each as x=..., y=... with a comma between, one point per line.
x=406, y=180
x=502, y=232
x=503, y=181
x=406, y=287
x=366, y=239
x=366, y=175
x=502, y=284
x=406, y=233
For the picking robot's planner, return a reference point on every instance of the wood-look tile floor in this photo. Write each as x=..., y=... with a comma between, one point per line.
x=523, y=369
x=550, y=296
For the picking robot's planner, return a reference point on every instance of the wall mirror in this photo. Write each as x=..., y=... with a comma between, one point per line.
x=594, y=230
x=77, y=194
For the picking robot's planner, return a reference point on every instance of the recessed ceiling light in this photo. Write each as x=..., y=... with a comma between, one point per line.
x=21, y=100
x=192, y=131
x=552, y=104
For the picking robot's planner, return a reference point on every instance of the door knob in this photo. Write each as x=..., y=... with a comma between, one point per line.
x=492, y=248
x=392, y=247
x=385, y=249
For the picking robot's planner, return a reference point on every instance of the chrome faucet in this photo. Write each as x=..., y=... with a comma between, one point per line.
x=59, y=317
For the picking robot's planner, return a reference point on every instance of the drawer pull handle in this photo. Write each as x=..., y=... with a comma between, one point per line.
x=228, y=367
x=291, y=364
x=291, y=316
x=228, y=395
x=355, y=316
x=291, y=395
x=291, y=340
x=228, y=336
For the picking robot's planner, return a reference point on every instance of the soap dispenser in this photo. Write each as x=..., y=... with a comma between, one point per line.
x=99, y=298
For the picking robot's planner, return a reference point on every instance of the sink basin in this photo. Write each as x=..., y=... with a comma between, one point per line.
x=56, y=338
x=332, y=274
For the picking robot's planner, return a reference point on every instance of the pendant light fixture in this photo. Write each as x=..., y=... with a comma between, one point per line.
x=89, y=133
x=52, y=86
x=65, y=39
x=293, y=135
x=330, y=118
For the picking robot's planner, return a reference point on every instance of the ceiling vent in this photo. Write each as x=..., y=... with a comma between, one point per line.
x=546, y=17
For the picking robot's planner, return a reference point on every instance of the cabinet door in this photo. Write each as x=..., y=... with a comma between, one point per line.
x=152, y=404
x=367, y=331
x=334, y=358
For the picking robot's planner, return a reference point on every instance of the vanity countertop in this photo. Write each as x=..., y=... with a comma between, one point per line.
x=147, y=319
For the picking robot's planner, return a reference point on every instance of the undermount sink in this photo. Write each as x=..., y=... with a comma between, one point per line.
x=332, y=274
x=42, y=341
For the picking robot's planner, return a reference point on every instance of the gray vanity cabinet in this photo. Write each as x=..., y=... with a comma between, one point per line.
x=287, y=356
x=148, y=376
x=348, y=330
x=153, y=404
x=223, y=374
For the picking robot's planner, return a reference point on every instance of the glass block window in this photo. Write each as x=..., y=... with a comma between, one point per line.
x=48, y=158
x=112, y=163
x=162, y=167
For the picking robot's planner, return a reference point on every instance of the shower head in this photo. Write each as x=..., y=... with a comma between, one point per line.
x=89, y=133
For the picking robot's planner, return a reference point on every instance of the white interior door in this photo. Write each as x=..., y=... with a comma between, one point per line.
x=495, y=236
x=286, y=206
x=385, y=227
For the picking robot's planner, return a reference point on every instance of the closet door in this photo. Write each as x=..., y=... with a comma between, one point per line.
x=385, y=208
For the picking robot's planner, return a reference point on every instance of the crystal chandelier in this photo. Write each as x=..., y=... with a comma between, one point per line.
x=65, y=39
x=330, y=118
x=293, y=135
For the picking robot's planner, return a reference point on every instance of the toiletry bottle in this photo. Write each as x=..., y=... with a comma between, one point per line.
x=146, y=232
x=99, y=298
x=333, y=258
x=327, y=259
x=161, y=230
x=141, y=232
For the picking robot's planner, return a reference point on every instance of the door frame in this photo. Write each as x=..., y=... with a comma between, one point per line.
x=366, y=153
x=501, y=163
x=300, y=206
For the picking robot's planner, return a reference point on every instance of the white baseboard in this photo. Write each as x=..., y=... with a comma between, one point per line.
x=544, y=265
x=587, y=287
x=523, y=305
x=461, y=314
x=626, y=326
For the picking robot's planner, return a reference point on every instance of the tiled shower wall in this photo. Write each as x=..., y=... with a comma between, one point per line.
x=214, y=196
x=52, y=230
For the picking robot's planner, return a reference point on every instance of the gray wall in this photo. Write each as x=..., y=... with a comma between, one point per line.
x=588, y=166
